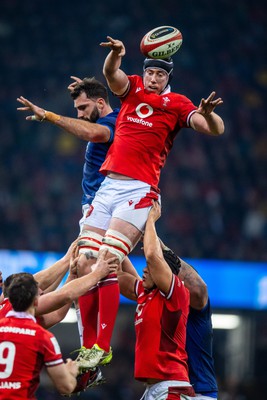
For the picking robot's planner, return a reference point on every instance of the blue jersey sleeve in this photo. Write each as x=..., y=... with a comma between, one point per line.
x=199, y=349
x=110, y=122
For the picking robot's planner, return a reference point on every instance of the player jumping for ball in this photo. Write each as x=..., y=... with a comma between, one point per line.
x=150, y=118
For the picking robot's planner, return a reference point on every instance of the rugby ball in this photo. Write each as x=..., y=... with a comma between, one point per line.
x=161, y=42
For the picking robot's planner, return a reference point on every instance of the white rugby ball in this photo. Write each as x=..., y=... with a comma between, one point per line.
x=161, y=42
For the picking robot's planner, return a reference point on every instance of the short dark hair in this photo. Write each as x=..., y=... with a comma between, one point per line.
x=93, y=89
x=172, y=260
x=22, y=291
x=7, y=282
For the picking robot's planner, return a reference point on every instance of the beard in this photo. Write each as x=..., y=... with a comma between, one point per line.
x=95, y=115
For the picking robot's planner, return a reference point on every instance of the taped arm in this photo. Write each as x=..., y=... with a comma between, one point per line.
x=85, y=130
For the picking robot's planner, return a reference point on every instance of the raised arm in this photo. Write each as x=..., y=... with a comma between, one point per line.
x=117, y=79
x=205, y=120
x=158, y=268
x=75, y=288
x=48, y=302
x=195, y=284
x=127, y=284
x=83, y=129
x=127, y=266
x=50, y=277
x=127, y=277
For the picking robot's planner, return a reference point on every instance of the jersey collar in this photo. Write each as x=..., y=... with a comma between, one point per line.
x=20, y=314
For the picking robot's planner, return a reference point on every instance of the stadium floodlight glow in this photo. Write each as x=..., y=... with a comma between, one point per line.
x=225, y=321
x=219, y=321
x=71, y=317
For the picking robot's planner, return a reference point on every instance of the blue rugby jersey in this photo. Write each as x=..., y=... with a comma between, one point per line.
x=95, y=154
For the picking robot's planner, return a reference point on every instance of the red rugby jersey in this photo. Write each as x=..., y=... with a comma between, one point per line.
x=160, y=326
x=145, y=130
x=5, y=306
x=25, y=347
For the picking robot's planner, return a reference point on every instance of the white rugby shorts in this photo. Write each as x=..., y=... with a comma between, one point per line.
x=85, y=209
x=128, y=200
x=160, y=391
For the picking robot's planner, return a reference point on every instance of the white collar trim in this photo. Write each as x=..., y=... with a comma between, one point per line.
x=20, y=314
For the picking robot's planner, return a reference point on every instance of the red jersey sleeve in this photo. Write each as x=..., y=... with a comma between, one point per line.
x=5, y=306
x=186, y=109
x=178, y=294
x=51, y=350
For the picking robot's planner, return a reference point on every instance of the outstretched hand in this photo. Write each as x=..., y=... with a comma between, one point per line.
x=38, y=113
x=208, y=105
x=115, y=45
x=73, y=85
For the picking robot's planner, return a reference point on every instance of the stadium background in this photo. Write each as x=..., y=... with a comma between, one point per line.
x=213, y=189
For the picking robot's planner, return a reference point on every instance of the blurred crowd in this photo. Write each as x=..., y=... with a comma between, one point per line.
x=213, y=189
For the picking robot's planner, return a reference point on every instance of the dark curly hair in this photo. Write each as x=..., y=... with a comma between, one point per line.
x=92, y=88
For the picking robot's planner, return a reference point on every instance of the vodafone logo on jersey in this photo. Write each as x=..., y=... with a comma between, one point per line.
x=143, y=110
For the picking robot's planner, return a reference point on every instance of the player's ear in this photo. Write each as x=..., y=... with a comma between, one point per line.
x=101, y=103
